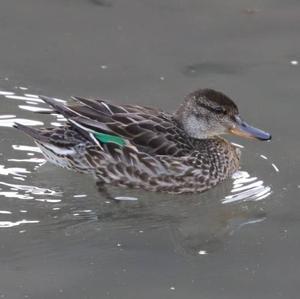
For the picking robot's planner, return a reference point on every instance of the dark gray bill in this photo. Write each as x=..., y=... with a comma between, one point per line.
x=244, y=130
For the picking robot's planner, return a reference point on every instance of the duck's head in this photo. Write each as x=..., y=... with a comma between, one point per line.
x=206, y=113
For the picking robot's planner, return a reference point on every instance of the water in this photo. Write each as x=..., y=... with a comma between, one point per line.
x=61, y=239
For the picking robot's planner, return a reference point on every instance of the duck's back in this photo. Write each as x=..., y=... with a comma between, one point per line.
x=151, y=131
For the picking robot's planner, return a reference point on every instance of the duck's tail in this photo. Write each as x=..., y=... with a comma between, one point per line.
x=34, y=133
x=59, y=107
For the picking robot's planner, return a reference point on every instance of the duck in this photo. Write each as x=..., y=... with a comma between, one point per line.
x=146, y=148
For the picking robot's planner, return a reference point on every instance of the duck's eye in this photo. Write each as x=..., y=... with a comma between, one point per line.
x=220, y=110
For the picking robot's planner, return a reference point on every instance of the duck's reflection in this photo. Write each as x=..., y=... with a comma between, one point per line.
x=197, y=225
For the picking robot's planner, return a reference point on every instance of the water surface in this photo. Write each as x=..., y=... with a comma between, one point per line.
x=61, y=239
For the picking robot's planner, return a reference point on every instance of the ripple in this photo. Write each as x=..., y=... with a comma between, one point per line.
x=30, y=95
x=7, y=116
x=5, y=212
x=33, y=189
x=17, y=171
x=126, y=198
x=23, y=121
x=6, y=93
x=22, y=87
x=33, y=108
x=79, y=195
x=6, y=224
x=24, y=98
x=26, y=148
x=49, y=200
x=25, y=161
x=30, y=160
x=15, y=194
x=246, y=188
x=275, y=167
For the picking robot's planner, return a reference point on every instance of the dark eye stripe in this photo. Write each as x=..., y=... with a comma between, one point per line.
x=218, y=110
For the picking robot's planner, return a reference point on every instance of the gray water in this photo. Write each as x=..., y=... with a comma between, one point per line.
x=61, y=239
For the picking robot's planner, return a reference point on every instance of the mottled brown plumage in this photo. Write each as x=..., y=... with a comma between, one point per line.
x=141, y=147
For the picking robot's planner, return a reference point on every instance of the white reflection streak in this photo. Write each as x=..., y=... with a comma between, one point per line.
x=273, y=164
x=126, y=198
x=55, y=124
x=7, y=116
x=26, y=148
x=252, y=186
x=34, y=109
x=49, y=200
x=31, y=160
x=23, y=121
x=32, y=189
x=18, y=178
x=18, y=171
x=4, y=93
x=24, y=98
x=247, y=188
x=252, y=222
x=29, y=95
x=237, y=145
x=79, y=195
x=5, y=212
x=6, y=224
x=275, y=167
x=31, y=103
x=11, y=194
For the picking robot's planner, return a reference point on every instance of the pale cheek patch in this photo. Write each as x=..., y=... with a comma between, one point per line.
x=195, y=128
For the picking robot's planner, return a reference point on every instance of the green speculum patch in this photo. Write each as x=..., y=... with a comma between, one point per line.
x=106, y=138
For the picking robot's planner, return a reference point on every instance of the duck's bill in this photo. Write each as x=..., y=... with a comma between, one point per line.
x=242, y=129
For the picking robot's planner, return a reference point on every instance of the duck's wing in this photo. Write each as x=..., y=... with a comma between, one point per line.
x=149, y=130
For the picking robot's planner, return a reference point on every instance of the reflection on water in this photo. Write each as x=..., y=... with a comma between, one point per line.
x=32, y=189
x=26, y=148
x=18, y=171
x=19, y=161
x=8, y=224
x=275, y=167
x=246, y=187
x=9, y=122
x=188, y=225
